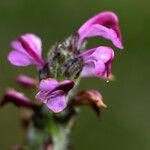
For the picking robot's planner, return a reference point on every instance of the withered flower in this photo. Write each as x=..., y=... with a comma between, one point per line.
x=90, y=98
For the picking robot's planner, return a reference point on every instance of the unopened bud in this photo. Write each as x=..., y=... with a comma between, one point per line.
x=26, y=81
x=18, y=99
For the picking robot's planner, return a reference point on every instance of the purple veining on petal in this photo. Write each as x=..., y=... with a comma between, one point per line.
x=104, y=24
x=26, y=81
x=17, y=98
x=54, y=93
x=27, y=50
x=97, y=62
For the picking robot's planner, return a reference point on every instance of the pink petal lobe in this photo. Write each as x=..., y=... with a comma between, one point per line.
x=48, y=84
x=30, y=46
x=19, y=59
x=57, y=101
x=17, y=46
x=103, y=53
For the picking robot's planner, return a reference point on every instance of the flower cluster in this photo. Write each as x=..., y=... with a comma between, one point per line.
x=66, y=62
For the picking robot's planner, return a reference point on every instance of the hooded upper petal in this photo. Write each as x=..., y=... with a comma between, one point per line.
x=104, y=24
x=26, y=51
x=97, y=61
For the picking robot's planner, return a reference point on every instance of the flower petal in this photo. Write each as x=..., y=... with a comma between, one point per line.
x=34, y=42
x=43, y=95
x=30, y=46
x=88, y=69
x=52, y=85
x=53, y=93
x=65, y=85
x=17, y=46
x=99, y=30
x=57, y=101
x=48, y=84
x=104, y=24
x=100, y=69
x=97, y=61
x=103, y=53
x=93, y=68
x=19, y=59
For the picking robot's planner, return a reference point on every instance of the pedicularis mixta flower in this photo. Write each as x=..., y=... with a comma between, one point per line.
x=53, y=93
x=27, y=50
x=97, y=62
x=66, y=63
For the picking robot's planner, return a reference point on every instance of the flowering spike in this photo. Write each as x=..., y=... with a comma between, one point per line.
x=53, y=93
x=17, y=98
x=104, y=24
x=26, y=81
x=26, y=51
x=97, y=62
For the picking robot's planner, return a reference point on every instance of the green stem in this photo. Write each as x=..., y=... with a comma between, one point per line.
x=60, y=138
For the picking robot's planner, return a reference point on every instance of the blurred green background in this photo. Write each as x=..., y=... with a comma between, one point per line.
x=125, y=124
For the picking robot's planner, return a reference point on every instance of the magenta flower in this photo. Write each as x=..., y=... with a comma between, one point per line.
x=26, y=51
x=97, y=62
x=66, y=60
x=104, y=24
x=54, y=93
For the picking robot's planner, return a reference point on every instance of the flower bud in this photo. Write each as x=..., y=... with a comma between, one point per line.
x=18, y=99
x=26, y=81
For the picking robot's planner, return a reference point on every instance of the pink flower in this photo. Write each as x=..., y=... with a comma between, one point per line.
x=97, y=62
x=26, y=51
x=54, y=93
x=104, y=24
